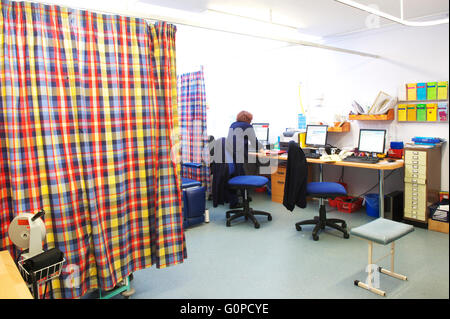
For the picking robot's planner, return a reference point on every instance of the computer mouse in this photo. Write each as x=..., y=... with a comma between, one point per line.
x=390, y=160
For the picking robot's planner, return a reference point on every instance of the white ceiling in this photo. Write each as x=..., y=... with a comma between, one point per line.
x=323, y=18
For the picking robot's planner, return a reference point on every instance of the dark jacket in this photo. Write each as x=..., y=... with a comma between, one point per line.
x=221, y=172
x=296, y=178
x=219, y=187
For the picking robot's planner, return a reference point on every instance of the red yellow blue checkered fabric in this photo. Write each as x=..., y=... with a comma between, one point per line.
x=193, y=126
x=88, y=112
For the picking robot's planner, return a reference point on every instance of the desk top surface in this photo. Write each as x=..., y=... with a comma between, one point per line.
x=381, y=165
x=12, y=285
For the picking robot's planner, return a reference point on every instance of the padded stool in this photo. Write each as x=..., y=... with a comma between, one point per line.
x=381, y=231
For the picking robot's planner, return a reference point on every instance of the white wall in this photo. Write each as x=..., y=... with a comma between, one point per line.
x=243, y=73
x=407, y=55
x=263, y=77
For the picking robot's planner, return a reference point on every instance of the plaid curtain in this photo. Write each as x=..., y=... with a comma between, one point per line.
x=88, y=109
x=193, y=132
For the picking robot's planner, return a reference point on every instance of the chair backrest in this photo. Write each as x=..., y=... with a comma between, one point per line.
x=222, y=154
x=229, y=161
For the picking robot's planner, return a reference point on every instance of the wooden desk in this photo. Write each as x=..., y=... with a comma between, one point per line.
x=381, y=166
x=12, y=285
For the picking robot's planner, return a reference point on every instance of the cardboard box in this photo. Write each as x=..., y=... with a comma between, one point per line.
x=438, y=226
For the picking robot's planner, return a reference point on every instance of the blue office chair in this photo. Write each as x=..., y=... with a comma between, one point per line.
x=297, y=166
x=324, y=190
x=244, y=183
x=194, y=199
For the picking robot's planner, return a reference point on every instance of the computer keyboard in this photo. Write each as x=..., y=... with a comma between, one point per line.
x=362, y=159
x=312, y=155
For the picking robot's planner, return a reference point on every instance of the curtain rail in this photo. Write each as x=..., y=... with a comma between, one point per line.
x=206, y=26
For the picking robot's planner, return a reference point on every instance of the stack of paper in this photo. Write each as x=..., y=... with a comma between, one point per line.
x=357, y=109
x=441, y=213
x=382, y=104
x=411, y=145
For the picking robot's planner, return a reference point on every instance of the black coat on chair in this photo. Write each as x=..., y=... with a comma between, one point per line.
x=221, y=173
x=296, y=178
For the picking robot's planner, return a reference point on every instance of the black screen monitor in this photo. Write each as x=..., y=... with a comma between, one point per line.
x=371, y=140
x=316, y=135
x=261, y=131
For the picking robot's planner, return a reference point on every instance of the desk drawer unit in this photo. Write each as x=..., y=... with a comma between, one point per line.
x=416, y=157
x=415, y=201
x=278, y=179
x=422, y=178
x=415, y=171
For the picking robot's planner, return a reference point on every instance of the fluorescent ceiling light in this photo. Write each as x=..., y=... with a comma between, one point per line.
x=161, y=11
x=391, y=17
x=225, y=21
x=271, y=21
x=143, y=10
x=146, y=11
x=256, y=26
x=192, y=6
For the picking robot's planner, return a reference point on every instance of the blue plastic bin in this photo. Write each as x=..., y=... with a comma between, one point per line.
x=372, y=205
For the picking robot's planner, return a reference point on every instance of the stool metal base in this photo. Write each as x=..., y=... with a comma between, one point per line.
x=372, y=289
x=381, y=270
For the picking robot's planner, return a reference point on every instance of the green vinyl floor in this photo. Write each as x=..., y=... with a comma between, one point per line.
x=278, y=262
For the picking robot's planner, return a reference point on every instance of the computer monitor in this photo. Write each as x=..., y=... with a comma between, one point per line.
x=316, y=135
x=371, y=140
x=261, y=131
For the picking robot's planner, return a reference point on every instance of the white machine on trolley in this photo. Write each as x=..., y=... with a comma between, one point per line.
x=27, y=231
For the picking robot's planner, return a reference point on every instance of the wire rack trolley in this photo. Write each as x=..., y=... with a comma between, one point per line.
x=36, y=278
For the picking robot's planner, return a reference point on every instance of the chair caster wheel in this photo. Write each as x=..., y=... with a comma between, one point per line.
x=315, y=237
x=346, y=236
x=269, y=218
x=256, y=225
x=298, y=227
